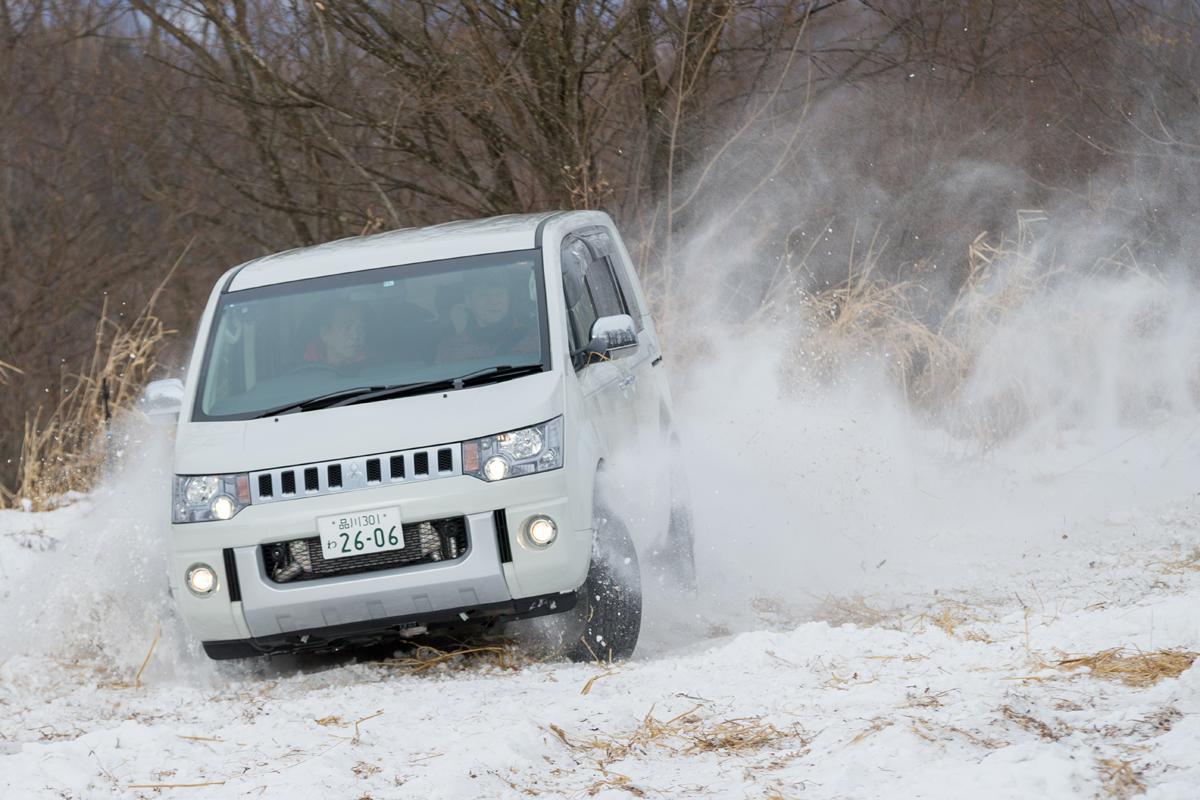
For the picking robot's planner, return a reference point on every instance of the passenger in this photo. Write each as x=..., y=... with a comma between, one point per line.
x=491, y=329
x=340, y=339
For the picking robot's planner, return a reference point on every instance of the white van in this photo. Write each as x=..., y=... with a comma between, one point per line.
x=388, y=434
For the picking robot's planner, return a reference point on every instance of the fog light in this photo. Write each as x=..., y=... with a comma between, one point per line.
x=222, y=507
x=201, y=580
x=541, y=531
x=495, y=468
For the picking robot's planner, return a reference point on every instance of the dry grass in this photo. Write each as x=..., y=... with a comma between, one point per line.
x=953, y=617
x=856, y=611
x=685, y=734
x=1136, y=669
x=877, y=724
x=1186, y=563
x=932, y=731
x=427, y=657
x=885, y=314
x=871, y=316
x=65, y=449
x=1031, y=724
x=1120, y=779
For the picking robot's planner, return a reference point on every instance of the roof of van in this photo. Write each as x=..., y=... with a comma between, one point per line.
x=394, y=248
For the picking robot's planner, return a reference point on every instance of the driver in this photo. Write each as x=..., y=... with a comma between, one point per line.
x=340, y=338
x=491, y=328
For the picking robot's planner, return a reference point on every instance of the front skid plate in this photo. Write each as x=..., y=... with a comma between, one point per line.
x=337, y=636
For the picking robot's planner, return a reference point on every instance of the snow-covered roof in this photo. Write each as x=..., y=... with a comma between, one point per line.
x=406, y=246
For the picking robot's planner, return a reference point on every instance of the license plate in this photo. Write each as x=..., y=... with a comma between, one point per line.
x=360, y=533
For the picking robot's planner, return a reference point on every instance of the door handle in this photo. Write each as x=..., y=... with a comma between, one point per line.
x=627, y=381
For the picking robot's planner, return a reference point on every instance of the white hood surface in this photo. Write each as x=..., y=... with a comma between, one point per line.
x=355, y=430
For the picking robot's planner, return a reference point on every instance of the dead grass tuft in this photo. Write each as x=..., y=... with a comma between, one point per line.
x=883, y=313
x=66, y=449
x=1186, y=563
x=1133, y=669
x=1031, y=724
x=686, y=734
x=1120, y=779
x=877, y=724
x=952, y=618
x=932, y=731
x=871, y=315
x=856, y=610
x=427, y=657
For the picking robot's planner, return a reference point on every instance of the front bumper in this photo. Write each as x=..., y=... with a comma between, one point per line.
x=249, y=607
x=475, y=579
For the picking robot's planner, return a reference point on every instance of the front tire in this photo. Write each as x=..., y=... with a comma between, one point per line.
x=607, y=618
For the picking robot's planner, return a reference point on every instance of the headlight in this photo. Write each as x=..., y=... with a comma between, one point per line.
x=201, y=498
x=537, y=448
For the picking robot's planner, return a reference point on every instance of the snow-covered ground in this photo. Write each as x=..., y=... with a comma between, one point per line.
x=853, y=698
x=882, y=614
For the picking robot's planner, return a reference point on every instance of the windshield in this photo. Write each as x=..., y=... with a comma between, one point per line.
x=292, y=342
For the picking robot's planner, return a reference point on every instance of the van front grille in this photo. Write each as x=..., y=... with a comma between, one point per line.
x=347, y=474
x=424, y=543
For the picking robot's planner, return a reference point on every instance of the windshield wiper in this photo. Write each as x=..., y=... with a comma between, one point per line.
x=320, y=401
x=493, y=374
x=480, y=376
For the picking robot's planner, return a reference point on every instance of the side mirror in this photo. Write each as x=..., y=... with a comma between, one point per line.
x=611, y=338
x=162, y=400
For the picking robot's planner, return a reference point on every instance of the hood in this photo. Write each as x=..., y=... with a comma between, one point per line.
x=358, y=430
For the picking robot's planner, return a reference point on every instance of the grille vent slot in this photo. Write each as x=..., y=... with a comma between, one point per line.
x=355, y=472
